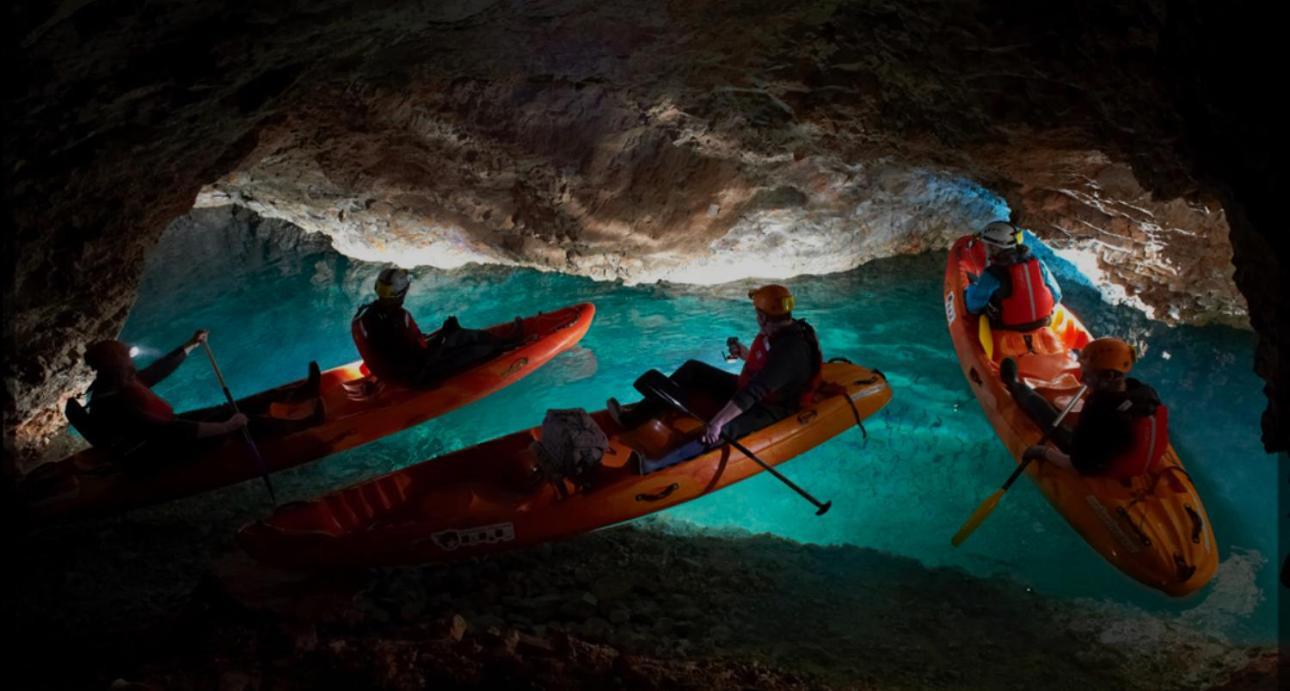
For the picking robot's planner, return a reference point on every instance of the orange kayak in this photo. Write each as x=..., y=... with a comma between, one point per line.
x=485, y=499
x=1153, y=528
x=354, y=412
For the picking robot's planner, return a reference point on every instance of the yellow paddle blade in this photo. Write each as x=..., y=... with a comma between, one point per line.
x=977, y=518
x=984, y=333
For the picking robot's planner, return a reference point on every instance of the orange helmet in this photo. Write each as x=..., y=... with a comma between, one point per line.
x=1108, y=354
x=774, y=300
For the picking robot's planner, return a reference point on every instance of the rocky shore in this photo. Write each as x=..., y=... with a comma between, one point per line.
x=651, y=605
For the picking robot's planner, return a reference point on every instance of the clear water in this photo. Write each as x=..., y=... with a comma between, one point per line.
x=273, y=303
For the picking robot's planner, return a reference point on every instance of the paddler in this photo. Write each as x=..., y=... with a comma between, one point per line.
x=395, y=350
x=780, y=374
x=1016, y=290
x=1123, y=429
x=139, y=427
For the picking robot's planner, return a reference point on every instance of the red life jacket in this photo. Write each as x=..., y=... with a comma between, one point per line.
x=1150, y=440
x=388, y=342
x=759, y=355
x=1022, y=302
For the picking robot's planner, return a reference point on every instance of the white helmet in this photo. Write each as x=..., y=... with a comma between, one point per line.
x=1001, y=234
x=393, y=283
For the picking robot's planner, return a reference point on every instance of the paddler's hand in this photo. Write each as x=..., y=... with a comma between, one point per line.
x=1048, y=454
x=736, y=348
x=237, y=422
x=712, y=434
x=1038, y=452
x=199, y=337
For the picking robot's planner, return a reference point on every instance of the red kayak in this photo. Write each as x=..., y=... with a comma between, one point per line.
x=355, y=411
x=483, y=499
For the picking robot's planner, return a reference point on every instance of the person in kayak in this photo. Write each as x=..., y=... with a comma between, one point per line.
x=1016, y=291
x=136, y=425
x=395, y=350
x=780, y=374
x=1123, y=429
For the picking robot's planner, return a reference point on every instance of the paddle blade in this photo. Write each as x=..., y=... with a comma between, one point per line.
x=977, y=518
x=986, y=335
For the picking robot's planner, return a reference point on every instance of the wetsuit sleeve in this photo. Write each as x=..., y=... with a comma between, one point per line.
x=175, y=429
x=1050, y=282
x=171, y=429
x=785, y=363
x=978, y=293
x=162, y=367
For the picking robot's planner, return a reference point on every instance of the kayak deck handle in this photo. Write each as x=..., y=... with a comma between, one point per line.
x=661, y=494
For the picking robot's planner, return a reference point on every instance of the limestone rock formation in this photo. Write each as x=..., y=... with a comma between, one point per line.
x=693, y=141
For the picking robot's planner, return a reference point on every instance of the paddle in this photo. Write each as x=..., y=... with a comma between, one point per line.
x=655, y=383
x=983, y=511
x=246, y=433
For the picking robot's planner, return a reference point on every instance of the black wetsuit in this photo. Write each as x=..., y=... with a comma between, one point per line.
x=770, y=395
x=1105, y=427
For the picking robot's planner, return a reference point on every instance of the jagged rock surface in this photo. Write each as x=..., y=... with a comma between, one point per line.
x=665, y=606
x=690, y=141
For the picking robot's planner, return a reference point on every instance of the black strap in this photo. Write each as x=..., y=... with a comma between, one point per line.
x=855, y=412
x=864, y=433
x=661, y=494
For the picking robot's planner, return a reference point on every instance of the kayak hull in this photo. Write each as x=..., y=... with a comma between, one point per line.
x=484, y=499
x=86, y=483
x=1153, y=528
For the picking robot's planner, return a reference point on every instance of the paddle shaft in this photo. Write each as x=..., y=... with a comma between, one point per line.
x=260, y=465
x=822, y=507
x=1021, y=467
x=987, y=507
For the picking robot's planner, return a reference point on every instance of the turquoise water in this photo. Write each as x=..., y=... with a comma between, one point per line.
x=272, y=303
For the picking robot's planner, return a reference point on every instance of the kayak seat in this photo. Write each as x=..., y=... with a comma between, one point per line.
x=1068, y=330
x=356, y=507
x=1019, y=344
x=656, y=438
x=617, y=455
x=1055, y=372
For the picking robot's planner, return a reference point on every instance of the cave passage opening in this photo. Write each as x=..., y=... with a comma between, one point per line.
x=275, y=297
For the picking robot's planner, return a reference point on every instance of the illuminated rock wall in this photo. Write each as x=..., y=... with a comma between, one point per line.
x=687, y=141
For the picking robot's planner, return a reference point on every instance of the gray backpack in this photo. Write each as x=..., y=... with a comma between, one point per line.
x=572, y=447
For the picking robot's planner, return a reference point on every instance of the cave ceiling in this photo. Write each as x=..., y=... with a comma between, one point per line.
x=635, y=141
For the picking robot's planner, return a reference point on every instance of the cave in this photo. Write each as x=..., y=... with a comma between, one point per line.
x=252, y=170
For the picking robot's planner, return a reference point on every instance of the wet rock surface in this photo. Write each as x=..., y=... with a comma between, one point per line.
x=652, y=606
x=693, y=141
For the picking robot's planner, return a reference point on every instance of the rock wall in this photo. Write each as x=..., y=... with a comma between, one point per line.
x=693, y=141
